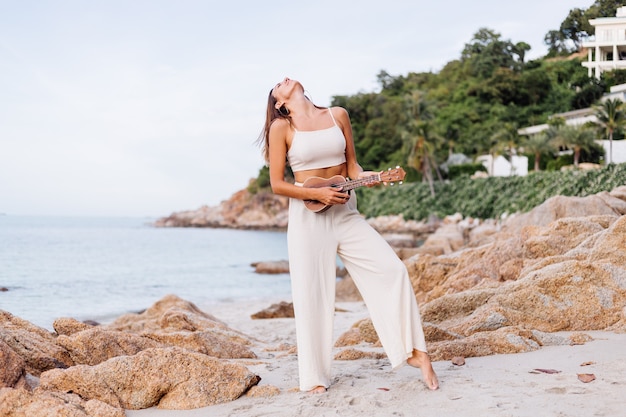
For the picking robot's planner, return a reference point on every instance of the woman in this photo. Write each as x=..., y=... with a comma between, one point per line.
x=317, y=142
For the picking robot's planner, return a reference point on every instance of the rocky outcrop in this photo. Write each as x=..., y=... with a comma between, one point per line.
x=560, y=267
x=169, y=378
x=172, y=355
x=242, y=211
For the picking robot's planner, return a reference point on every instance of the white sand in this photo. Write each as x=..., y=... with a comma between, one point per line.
x=500, y=385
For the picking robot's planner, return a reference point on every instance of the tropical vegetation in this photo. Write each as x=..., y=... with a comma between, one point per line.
x=475, y=105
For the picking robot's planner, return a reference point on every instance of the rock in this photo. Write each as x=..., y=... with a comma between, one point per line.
x=367, y=331
x=349, y=338
x=269, y=267
x=505, y=340
x=558, y=207
x=346, y=290
x=206, y=342
x=455, y=306
x=174, y=321
x=36, y=346
x=550, y=339
x=436, y=333
x=559, y=268
x=169, y=378
x=263, y=391
x=354, y=354
x=458, y=361
x=511, y=269
x=448, y=238
x=400, y=240
x=279, y=310
x=169, y=313
x=619, y=192
x=41, y=403
x=406, y=253
x=96, y=345
x=243, y=210
x=483, y=233
x=12, y=368
x=561, y=236
x=68, y=326
x=396, y=224
x=361, y=331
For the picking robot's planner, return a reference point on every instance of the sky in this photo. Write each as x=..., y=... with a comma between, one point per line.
x=149, y=107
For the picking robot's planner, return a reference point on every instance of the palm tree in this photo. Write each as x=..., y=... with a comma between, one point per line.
x=576, y=138
x=504, y=140
x=539, y=144
x=421, y=156
x=611, y=116
x=418, y=134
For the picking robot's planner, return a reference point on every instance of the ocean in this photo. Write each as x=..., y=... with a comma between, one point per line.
x=100, y=268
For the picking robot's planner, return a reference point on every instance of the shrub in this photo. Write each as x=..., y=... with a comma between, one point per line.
x=489, y=197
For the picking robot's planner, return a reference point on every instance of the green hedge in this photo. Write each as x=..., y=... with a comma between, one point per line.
x=456, y=171
x=489, y=197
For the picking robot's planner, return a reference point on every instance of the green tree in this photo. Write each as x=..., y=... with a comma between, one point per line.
x=575, y=27
x=556, y=43
x=610, y=116
x=539, y=144
x=520, y=49
x=487, y=51
x=602, y=8
x=577, y=138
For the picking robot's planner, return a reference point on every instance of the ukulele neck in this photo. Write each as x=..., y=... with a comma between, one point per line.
x=352, y=184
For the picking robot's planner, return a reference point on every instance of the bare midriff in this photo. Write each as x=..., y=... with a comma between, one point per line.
x=302, y=176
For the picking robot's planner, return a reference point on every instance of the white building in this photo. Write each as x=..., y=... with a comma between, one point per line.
x=501, y=167
x=607, y=50
x=619, y=150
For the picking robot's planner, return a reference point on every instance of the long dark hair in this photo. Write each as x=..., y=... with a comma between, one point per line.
x=271, y=114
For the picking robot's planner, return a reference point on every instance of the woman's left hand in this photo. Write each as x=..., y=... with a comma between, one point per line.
x=373, y=176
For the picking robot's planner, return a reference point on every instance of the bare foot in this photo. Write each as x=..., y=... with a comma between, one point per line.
x=317, y=390
x=422, y=360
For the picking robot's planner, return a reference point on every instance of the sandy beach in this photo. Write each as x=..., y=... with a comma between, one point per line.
x=503, y=385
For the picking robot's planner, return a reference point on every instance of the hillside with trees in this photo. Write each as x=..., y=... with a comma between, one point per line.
x=475, y=105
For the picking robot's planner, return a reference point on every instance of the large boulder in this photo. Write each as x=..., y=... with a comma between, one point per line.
x=176, y=322
x=36, y=346
x=169, y=378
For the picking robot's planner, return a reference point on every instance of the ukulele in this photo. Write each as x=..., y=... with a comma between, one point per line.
x=390, y=176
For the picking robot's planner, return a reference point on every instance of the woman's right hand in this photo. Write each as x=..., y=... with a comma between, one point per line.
x=331, y=196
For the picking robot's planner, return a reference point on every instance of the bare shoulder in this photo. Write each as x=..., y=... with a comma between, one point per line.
x=280, y=125
x=340, y=114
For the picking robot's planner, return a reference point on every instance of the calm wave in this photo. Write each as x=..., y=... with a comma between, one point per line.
x=99, y=268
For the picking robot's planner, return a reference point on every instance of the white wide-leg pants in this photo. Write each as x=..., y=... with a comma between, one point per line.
x=314, y=241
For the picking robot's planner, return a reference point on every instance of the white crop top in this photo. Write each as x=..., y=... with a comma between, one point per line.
x=314, y=149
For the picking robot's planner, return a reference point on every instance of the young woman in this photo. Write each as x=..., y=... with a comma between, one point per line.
x=317, y=142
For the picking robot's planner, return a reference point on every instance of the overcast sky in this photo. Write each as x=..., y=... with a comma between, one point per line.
x=146, y=107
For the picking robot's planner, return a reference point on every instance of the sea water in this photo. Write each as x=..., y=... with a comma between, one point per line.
x=100, y=268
